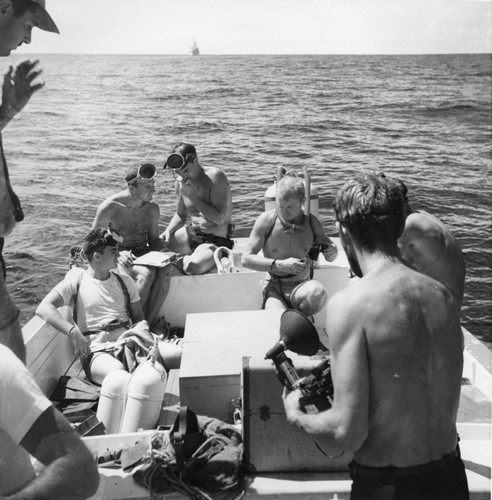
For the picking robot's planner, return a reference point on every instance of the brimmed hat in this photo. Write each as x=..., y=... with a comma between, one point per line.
x=44, y=20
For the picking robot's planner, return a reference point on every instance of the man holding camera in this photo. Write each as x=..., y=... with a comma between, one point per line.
x=397, y=356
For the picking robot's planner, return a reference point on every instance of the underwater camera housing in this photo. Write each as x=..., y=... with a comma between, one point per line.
x=298, y=334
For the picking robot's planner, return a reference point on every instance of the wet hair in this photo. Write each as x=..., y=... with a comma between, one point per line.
x=291, y=187
x=371, y=207
x=185, y=150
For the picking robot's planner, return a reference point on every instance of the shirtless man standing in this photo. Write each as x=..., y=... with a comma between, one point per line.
x=203, y=194
x=135, y=216
x=397, y=358
x=428, y=246
x=286, y=236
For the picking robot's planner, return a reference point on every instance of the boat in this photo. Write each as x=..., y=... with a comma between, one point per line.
x=194, y=51
x=220, y=313
x=214, y=310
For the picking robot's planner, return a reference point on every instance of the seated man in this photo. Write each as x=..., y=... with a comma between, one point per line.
x=135, y=216
x=106, y=305
x=428, y=246
x=31, y=427
x=287, y=238
x=203, y=194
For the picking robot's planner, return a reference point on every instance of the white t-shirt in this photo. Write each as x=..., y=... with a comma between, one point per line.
x=21, y=403
x=98, y=302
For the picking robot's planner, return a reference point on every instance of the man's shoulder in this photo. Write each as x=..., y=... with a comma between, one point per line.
x=127, y=280
x=216, y=174
x=424, y=222
x=114, y=201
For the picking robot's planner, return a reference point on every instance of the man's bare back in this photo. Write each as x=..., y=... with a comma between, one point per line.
x=414, y=347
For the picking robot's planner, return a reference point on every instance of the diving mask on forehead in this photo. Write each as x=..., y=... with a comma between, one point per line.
x=145, y=172
x=177, y=161
x=112, y=237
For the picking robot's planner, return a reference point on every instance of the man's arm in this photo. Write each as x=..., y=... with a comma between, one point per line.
x=153, y=238
x=320, y=236
x=103, y=216
x=70, y=471
x=256, y=240
x=346, y=424
x=178, y=221
x=48, y=310
x=217, y=211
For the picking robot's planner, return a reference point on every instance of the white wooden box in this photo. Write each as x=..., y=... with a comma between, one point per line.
x=213, y=348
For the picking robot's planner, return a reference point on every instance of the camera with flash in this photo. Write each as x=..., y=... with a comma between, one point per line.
x=298, y=335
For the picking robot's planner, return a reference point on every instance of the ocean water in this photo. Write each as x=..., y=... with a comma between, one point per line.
x=426, y=119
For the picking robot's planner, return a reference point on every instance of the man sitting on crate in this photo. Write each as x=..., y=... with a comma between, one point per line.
x=288, y=239
x=106, y=307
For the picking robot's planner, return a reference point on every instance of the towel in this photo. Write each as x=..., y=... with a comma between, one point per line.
x=133, y=345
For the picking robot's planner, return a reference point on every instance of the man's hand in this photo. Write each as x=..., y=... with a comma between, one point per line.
x=165, y=236
x=79, y=342
x=291, y=405
x=18, y=87
x=126, y=258
x=330, y=253
x=187, y=189
x=291, y=265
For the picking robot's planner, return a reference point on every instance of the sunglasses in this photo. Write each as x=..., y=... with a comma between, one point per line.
x=177, y=161
x=145, y=172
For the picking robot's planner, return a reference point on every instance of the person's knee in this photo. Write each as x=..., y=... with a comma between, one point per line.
x=145, y=276
x=103, y=364
x=170, y=352
x=309, y=298
x=193, y=265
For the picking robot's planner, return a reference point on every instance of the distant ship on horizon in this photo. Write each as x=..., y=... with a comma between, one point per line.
x=195, y=51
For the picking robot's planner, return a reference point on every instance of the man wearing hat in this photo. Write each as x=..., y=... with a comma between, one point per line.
x=17, y=19
x=29, y=424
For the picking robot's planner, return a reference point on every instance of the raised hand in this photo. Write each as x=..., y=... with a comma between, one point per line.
x=18, y=87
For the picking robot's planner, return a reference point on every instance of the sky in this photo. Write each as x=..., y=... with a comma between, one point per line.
x=267, y=27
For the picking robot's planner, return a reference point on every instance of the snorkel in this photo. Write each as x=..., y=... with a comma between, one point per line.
x=307, y=189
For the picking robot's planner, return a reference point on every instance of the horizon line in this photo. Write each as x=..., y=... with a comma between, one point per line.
x=254, y=54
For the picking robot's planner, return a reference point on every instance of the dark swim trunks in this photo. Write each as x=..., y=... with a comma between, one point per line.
x=282, y=291
x=444, y=479
x=197, y=237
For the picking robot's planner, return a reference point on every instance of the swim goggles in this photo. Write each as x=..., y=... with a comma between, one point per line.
x=145, y=172
x=112, y=237
x=177, y=161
